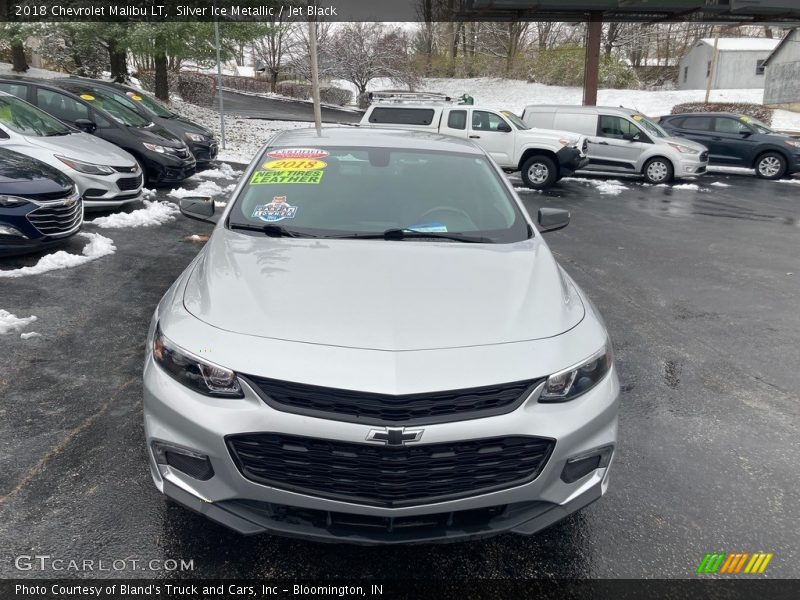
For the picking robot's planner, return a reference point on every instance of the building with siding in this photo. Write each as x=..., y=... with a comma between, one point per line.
x=740, y=64
x=782, y=78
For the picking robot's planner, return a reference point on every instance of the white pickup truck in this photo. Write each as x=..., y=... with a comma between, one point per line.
x=542, y=156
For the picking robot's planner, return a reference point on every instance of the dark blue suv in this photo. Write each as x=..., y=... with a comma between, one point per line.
x=738, y=141
x=39, y=206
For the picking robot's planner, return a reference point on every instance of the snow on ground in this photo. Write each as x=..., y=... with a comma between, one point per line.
x=792, y=181
x=12, y=323
x=223, y=171
x=243, y=137
x=29, y=335
x=686, y=186
x=720, y=184
x=610, y=187
x=206, y=188
x=97, y=247
x=5, y=70
x=153, y=213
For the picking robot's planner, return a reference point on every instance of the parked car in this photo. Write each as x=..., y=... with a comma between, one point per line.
x=624, y=141
x=106, y=175
x=163, y=157
x=739, y=141
x=200, y=140
x=39, y=205
x=542, y=156
x=377, y=346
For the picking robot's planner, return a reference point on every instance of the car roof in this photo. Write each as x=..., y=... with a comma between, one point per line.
x=586, y=109
x=704, y=114
x=374, y=137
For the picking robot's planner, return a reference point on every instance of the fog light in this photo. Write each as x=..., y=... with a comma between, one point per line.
x=584, y=464
x=9, y=230
x=192, y=463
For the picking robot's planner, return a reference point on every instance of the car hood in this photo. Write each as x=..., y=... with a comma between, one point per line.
x=85, y=147
x=189, y=126
x=685, y=142
x=536, y=133
x=156, y=134
x=381, y=295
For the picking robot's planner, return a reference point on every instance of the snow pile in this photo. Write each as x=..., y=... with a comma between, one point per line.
x=9, y=322
x=611, y=187
x=97, y=247
x=153, y=213
x=720, y=184
x=687, y=186
x=147, y=193
x=206, y=188
x=32, y=334
x=223, y=171
x=794, y=181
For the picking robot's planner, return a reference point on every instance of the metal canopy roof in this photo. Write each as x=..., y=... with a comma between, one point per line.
x=712, y=11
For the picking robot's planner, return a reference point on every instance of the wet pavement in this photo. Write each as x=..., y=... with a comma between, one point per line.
x=699, y=289
x=257, y=107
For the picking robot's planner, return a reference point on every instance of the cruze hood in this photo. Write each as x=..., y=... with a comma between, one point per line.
x=392, y=295
x=85, y=147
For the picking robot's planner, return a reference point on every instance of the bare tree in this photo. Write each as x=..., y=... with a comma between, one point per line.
x=272, y=49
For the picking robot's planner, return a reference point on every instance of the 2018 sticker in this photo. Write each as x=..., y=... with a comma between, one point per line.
x=277, y=210
x=310, y=153
x=274, y=177
x=294, y=164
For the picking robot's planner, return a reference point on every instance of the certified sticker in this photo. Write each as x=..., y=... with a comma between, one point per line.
x=294, y=164
x=277, y=210
x=310, y=153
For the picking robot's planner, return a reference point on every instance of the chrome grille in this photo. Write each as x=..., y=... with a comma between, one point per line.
x=59, y=217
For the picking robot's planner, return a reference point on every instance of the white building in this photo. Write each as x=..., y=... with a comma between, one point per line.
x=783, y=73
x=740, y=63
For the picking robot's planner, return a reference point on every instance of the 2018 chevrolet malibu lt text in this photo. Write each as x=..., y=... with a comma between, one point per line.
x=377, y=346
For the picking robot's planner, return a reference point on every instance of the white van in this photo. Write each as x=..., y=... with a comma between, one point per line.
x=624, y=141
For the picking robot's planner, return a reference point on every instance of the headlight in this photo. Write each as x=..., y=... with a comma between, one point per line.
x=684, y=149
x=571, y=383
x=795, y=143
x=9, y=201
x=201, y=376
x=11, y=231
x=195, y=137
x=84, y=167
x=155, y=148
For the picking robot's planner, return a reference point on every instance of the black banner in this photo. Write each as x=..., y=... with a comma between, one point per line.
x=200, y=589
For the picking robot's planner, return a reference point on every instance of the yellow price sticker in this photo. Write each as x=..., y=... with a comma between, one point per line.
x=87, y=96
x=637, y=117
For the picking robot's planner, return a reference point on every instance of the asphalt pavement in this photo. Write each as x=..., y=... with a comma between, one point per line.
x=257, y=107
x=700, y=293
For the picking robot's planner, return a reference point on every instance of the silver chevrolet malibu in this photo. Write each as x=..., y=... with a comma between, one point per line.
x=377, y=346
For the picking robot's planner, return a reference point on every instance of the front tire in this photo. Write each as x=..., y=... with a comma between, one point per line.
x=770, y=165
x=658, y=170
x=539, y=172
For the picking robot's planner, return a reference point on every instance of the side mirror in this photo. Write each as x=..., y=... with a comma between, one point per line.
x=504, y=127
x=85, y=125
x=552, y=219
x=746, y=133
x=630, y=137
x=199, y=208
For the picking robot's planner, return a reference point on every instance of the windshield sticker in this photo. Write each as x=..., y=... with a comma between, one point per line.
x=87, y=96
x=428, y=228
x=268, y=177
x=294, y=164
x=277, y=210
x=637, y=117
x=745, y=118
x=310, y=153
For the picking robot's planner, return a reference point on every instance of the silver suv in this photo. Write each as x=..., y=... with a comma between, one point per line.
x=377, y=346
x=622, y=140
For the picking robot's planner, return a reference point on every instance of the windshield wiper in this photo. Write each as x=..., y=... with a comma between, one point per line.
x=272, y=230
x=55, y=133
x=405, y=234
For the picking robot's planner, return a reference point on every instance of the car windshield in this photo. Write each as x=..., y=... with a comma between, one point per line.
x=651, y=127
x=106, y=101
x=150, y=104
x=755, y=124
x=25, y=119
x=518, y=123
x=341, y=191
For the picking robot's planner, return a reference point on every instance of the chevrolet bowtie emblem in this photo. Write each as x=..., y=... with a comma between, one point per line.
x=395, y=436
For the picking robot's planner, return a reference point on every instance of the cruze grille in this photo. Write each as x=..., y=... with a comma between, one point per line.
x=386, y=475
x=408, y=409
x=129, y=183
x=58, y=218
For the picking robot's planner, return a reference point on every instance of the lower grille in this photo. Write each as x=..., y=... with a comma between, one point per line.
x=388, y=476
x=57, y=218
x=129, y=183
x=379, y=409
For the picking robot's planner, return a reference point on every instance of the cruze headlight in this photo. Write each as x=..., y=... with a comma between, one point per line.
x=193, y=372
x=571, y=383
x=195, y=137
x=84, y=167
x=684, y=149
x=9, y=201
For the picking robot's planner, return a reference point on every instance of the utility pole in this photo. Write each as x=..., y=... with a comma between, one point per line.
x=591, y=69
x=312, y=41
x=219, y=85
x=712, y=71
